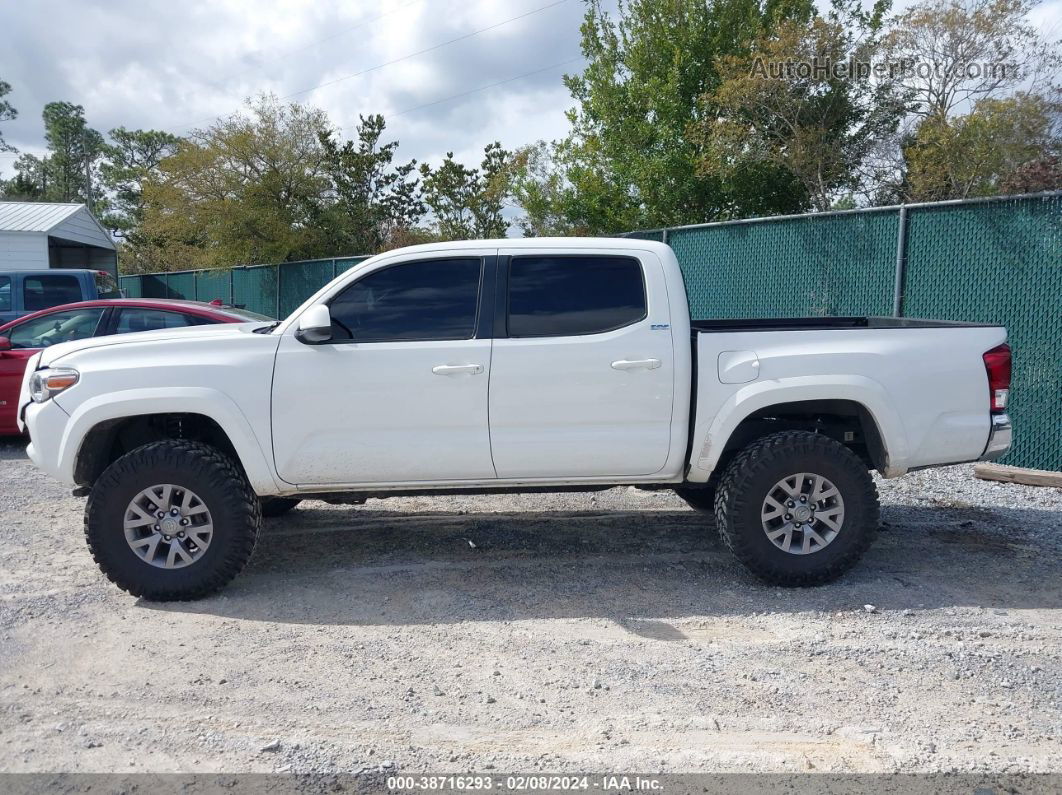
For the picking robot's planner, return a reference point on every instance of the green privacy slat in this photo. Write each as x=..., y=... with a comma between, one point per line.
x=212, y=285
x=255, y=289
x=130, y=285
x=346, y=263
x=181, y=285
x=1000, y=262
x=300, y=280
x=827, y=265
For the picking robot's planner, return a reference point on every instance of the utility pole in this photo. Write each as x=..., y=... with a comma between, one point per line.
x=88, y=170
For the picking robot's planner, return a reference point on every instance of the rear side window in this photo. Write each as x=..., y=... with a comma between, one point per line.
x=43, y=292
x=106, y=286
x=574, y=295
x=5, y=293
x=424, y=300
x=131, y=320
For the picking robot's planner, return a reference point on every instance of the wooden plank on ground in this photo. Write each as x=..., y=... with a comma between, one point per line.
x=1027, y=477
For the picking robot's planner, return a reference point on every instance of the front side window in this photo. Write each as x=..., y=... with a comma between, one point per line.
x=556, y=296
x=44, y=292
x=423, y=300
x=40, y=332
x=5, y=293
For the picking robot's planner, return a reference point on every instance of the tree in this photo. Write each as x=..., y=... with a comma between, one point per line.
x=131, y=158
x=628, y=161
x=468, y=203
x=30, y=182
x=983, y=152
x=7, y=113
x=954, y=53
x=73, y=148
x=800, y=102
x=248, y=189
x=376, y=204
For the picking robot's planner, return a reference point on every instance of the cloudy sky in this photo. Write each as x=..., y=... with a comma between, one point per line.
x=447, y=74
x=173, y=66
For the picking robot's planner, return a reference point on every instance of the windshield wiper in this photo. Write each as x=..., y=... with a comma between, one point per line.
x=266, y=329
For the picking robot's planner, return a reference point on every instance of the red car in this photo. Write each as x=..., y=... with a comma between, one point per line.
x=22, y=338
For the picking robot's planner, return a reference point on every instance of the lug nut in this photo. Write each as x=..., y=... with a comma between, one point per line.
x=166, y=538
x=787, y=518
x=160, y=514
x=180, y=534
x=156, y=528
x=803, y=499
x=174, y=512
x=791, y=504
x=184, y=522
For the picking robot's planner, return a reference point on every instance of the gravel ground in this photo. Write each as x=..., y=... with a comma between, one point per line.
x=560, y=632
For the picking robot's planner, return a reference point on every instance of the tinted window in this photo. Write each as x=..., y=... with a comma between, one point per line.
x=106, y=286
x=5, y=293
x=563, y=296
x=130, y=320
x=73, y=324
x=42, y=292
x=424, y=300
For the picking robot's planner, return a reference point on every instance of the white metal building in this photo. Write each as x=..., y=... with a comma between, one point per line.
x=35, y=235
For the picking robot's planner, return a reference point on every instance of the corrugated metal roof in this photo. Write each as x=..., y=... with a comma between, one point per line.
x=34, y=216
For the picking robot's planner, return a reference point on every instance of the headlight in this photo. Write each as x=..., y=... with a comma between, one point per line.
x=46, y=384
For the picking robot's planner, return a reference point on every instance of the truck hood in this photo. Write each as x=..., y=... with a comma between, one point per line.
x=57, y=352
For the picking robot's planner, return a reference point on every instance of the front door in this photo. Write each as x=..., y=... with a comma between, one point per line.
x=400, y=392
x=582, y=376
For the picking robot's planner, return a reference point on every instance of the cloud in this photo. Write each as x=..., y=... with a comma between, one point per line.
x=173, y=66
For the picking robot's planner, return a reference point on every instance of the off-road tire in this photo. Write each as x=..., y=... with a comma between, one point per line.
x=700, y=499
x=213, y=476
x=755, y=470
x=277, y=506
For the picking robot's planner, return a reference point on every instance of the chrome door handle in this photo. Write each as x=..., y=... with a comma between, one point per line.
x=457, y=369
x=633, y=364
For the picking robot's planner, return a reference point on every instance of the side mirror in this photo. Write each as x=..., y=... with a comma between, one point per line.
x=315, y=325
x=5, y=344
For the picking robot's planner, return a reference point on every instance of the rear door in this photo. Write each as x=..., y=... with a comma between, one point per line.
x=582, y=373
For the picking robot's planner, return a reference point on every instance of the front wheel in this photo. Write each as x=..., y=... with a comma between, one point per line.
x=172, y=520
x=797, y=508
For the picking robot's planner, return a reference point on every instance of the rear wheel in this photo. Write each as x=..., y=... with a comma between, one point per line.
x=277, y=506
x=797, y=508
x=172, y=520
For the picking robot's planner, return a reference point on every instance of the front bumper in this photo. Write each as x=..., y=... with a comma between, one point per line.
x=45, y=423
x=1000, y=437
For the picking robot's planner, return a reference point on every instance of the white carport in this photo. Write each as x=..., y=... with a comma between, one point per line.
x=37, y=235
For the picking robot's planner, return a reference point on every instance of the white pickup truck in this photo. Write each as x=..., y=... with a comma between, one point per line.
x=506, y=365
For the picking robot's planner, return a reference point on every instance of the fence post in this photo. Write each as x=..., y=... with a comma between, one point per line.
x=195, y=285
x=279, y=268
x=663, y=236
x=901, y=263
x=334, y=274
x=232, y=289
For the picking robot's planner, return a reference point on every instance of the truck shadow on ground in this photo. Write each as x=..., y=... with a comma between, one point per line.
x=641, y=569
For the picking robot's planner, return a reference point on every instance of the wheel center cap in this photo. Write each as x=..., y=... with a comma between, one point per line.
x=169, y=525
x=802, y=513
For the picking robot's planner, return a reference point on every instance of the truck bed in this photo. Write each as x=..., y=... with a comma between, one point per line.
x=824, y=324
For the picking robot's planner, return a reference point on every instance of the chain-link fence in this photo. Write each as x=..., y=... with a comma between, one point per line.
x=993, y=260
x=274, y=290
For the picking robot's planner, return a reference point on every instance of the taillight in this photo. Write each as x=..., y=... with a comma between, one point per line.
x=997, y=364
